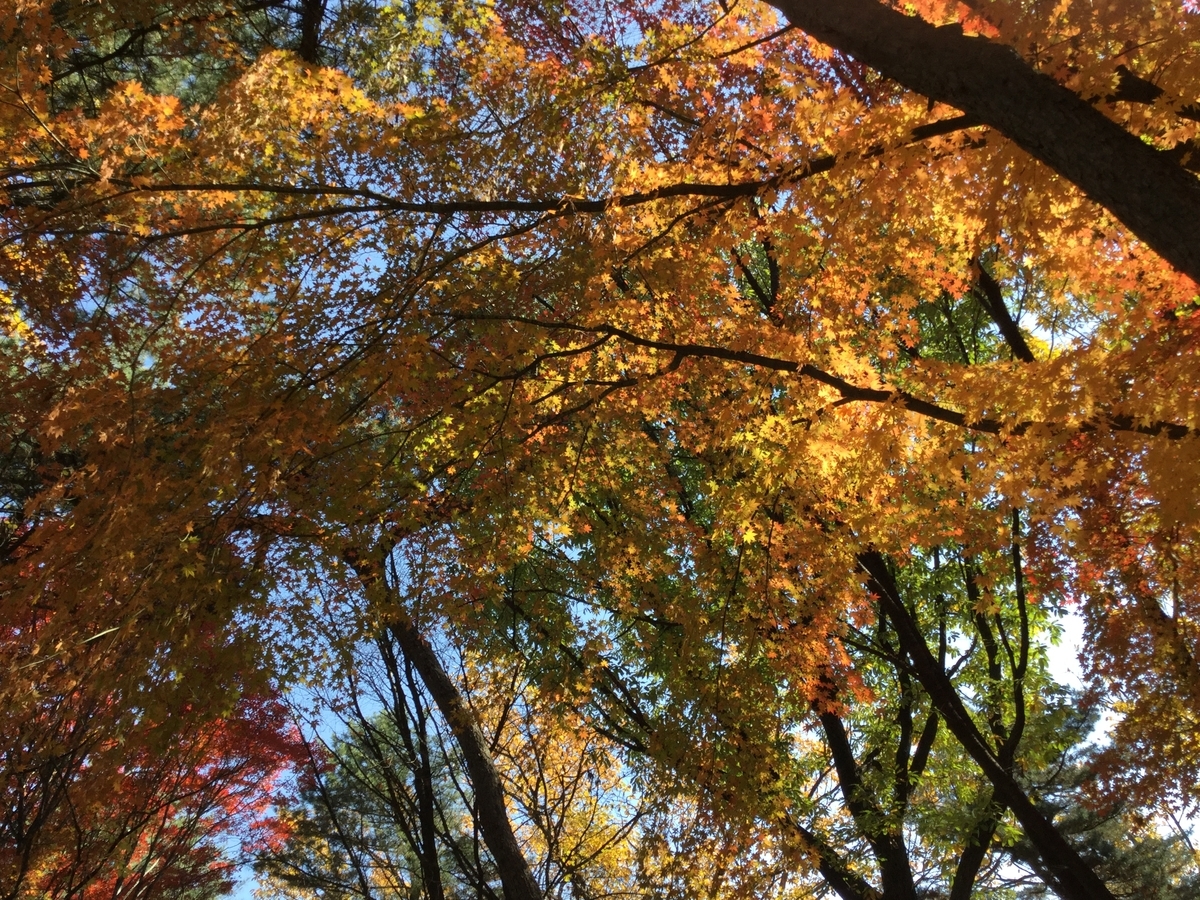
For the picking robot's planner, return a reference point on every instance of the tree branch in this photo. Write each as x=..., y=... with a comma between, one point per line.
x=847, y=884
x=848, y=393
x=993, y=301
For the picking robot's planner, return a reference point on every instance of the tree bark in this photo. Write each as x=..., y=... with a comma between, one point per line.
x=516, y=878
x=1071, y=878
x=895, y=869
x=515, y=874
x=416, y=743
x=312, y=14
x=1144, y=188
x=845, y=883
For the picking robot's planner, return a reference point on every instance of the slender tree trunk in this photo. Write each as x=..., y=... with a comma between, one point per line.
x=416, y=743
x=515, y=874
x=312, y=14
x=1144, y=188
x=847, y=884
x=895, y=869
x=973, y=855
x=516, y=877
x=1071, y=877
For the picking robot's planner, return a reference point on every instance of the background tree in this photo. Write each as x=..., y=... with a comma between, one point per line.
x=390, y=810
x=146, y=814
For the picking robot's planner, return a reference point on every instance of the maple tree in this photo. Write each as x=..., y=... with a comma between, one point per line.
x=847, y=793
x=661, y=309
x=100, y=801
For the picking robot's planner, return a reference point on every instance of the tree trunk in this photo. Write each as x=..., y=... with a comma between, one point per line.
x=515, y=874
x=516, y=878
x=1144, y=188
x=1072, y=878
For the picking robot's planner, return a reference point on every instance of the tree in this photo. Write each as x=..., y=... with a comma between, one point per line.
x=141, y=813
x=1051, y=122
x=391, y=807
x=288, y=317
x=875, y=794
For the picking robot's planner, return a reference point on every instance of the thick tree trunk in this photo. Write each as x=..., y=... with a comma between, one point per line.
x=1143, y=187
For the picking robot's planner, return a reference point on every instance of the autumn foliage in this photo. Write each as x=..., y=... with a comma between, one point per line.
x=727, y=369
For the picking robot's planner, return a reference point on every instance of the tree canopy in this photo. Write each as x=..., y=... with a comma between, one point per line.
x=732, y=395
